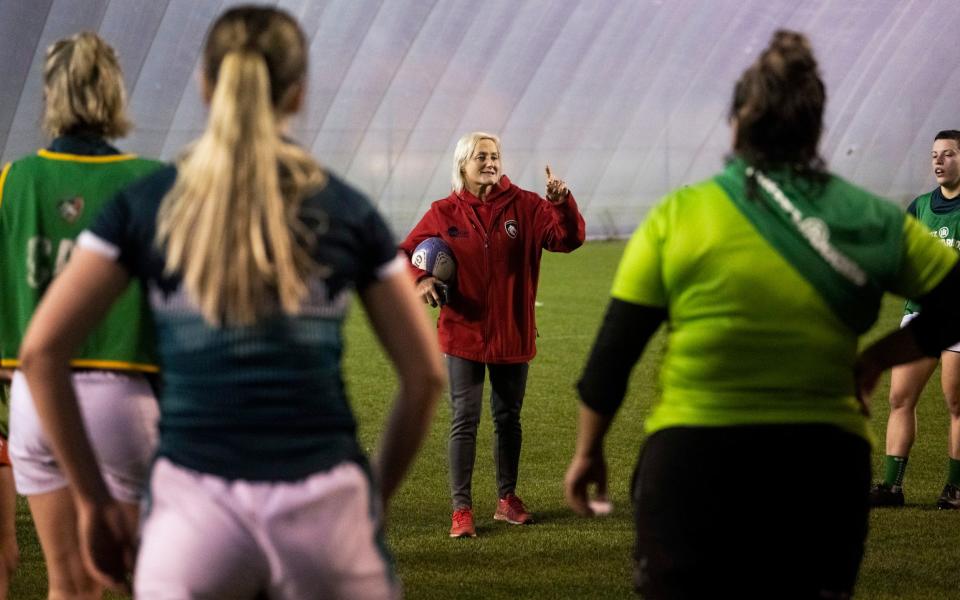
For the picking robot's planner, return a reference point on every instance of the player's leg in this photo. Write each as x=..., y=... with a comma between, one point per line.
x=906, y=383
x=119, y=413
x=508, y=384
x=466, y=403
x=950, y=381
x=51, y=505
x=323, y=537
x=55, y=518
x=9, y=550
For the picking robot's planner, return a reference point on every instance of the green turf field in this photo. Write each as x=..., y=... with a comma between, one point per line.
x=913, y=553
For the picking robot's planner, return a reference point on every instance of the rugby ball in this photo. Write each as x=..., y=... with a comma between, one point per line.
x=434, y=256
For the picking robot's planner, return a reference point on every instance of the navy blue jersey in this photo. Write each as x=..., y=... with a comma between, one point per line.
x=265, y=401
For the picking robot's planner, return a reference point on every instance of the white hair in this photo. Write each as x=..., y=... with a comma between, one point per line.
x=462, y=153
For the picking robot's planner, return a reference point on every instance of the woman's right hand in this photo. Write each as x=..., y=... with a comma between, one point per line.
x=430, y=291
x=107, y=543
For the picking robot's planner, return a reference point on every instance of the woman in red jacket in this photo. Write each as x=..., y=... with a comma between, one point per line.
x=497, y=233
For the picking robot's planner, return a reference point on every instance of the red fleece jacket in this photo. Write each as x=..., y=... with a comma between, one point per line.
x=489, y=316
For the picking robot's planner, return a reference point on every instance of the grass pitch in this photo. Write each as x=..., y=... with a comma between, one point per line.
x=912, y=552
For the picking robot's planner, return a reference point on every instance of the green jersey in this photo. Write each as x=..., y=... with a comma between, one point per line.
x=46, y=200
x=942, y=217
x=751, y=340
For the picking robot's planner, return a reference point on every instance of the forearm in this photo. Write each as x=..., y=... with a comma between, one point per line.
x=406, y=428
x=571, y=226
x=591, y=429
x=895, y=348
x=406, y=335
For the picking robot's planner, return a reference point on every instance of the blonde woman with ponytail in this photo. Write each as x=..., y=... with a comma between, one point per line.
x=250, y=252
x=46, y=200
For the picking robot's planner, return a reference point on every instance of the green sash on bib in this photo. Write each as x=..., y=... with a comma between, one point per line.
x=858, y=240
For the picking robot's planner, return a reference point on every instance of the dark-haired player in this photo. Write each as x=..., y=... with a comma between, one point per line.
x=773, y=257
x=939, y=210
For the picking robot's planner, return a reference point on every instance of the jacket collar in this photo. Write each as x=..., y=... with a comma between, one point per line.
x=83, y=145
x=502, y=192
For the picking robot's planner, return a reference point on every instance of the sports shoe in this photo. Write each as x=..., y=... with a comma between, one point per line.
x=510, y=508
x=882, y=494
x=462, y=525
x=949, y=498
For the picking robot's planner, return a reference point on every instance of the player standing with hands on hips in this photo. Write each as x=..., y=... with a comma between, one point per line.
x=497, y=233
x=251, y=251
x=766, y=274
x=939, y=210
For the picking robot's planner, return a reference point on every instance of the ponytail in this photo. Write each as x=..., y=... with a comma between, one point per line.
x=778, y=106
x=226, y=226
x=83, y=88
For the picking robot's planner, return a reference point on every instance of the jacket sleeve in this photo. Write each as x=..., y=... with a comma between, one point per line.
x=562, y=226
x=426, y=228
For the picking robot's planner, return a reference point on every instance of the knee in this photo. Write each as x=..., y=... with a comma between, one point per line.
x=900, y=400
x=464, y=423
x=506, y=420
x=953, y=405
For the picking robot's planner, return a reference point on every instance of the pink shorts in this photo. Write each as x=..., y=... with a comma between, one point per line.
x=120, y=414
x=203, y=536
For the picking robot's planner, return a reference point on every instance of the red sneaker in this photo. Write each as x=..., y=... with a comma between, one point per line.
x=462, y=525
x=510, y=508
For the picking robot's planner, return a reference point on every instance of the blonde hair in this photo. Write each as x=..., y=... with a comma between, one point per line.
x=83, y=88
x=462, y=153
x=230, y=224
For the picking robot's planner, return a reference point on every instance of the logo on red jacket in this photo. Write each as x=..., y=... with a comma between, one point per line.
x=511, y=228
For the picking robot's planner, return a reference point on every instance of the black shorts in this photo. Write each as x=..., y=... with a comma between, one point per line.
x=766, y=511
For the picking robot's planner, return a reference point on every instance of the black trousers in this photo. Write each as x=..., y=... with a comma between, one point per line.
x=767, y=511
x=508, y=384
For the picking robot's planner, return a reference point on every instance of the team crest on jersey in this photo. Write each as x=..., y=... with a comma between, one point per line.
x=511, y=228
x=943, y=232
x=70, y=209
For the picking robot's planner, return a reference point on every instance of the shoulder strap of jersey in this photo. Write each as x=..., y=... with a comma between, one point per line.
x=811, y=235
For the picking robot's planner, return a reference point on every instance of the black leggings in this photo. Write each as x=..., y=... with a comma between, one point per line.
x=767, y=511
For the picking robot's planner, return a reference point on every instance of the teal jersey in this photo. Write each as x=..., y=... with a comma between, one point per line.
x=942, y=218
x=751, y=340
x=265, y=401
x=46, y=200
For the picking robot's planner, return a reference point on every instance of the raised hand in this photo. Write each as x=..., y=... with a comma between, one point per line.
x=556, y=188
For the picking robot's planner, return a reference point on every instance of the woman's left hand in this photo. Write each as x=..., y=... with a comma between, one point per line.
x=556, y=189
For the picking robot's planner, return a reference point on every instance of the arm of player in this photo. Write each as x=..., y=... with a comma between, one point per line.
x=588, y=466
x=563, y=227
x=622, y=337
x=73, y=305
x=406, y=335
x=935, y=328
